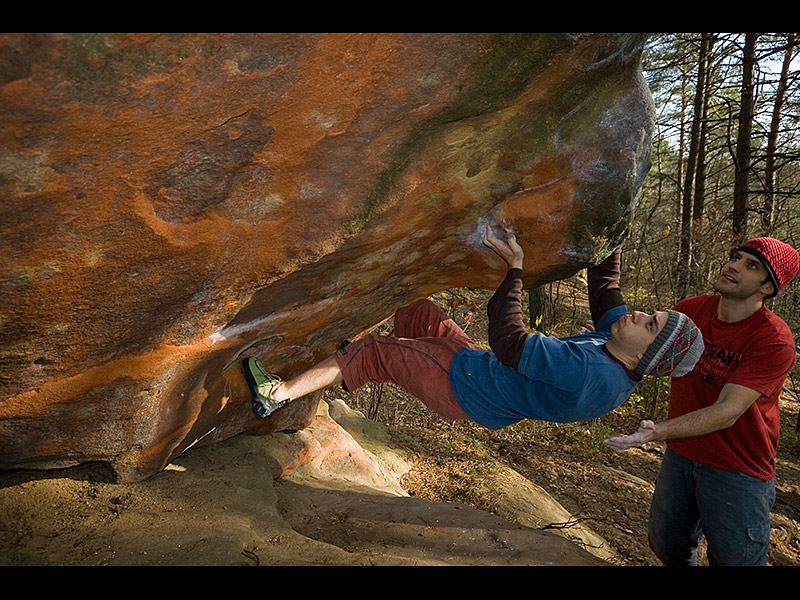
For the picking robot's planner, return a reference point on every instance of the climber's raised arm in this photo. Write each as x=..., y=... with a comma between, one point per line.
x=604, y=286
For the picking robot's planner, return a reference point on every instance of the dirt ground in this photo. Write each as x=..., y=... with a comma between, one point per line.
x=222, y=505
x=607, y=491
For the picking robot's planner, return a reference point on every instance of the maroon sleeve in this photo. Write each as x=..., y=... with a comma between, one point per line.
x=507, y=331
x=603, y=280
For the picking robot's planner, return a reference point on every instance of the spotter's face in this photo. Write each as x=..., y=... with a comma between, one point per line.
x=743, y=276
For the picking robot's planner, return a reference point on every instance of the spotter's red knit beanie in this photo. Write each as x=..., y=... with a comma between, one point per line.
x=779, y=259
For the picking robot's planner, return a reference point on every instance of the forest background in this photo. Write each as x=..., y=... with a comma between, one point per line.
x=726, y=160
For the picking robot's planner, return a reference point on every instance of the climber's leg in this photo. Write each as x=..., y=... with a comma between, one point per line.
x=318, y=377
x=420, y=366
x=269, y=393
x=423, y=318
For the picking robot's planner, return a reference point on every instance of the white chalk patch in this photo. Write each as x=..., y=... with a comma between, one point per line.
x=234, y=331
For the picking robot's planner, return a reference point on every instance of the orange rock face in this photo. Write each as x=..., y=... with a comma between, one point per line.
x=173, y=203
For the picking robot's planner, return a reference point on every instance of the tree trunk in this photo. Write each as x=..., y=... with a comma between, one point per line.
x=703, y=79
x=685, y=263
x=741, y=187
x=768, y=213
x=537, y=307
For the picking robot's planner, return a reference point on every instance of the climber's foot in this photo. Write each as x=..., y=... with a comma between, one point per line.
x=261, y=384
x=342, y=346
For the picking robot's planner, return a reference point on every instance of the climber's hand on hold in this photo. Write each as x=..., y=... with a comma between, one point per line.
x=509, y=250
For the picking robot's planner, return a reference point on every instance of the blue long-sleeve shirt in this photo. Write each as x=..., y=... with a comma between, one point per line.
x=558, y=379
x=535, y=376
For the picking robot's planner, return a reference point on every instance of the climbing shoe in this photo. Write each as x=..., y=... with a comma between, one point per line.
x=343, y=349
x=261, y=384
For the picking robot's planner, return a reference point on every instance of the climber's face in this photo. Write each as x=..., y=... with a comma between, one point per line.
x=636, y=331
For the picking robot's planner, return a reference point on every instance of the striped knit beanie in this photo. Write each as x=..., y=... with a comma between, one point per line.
x=779, y=259
x=676, y=349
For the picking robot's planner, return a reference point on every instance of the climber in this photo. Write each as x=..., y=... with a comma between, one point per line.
x=524, y=376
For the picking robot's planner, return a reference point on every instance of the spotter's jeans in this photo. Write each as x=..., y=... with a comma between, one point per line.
x=730, y=509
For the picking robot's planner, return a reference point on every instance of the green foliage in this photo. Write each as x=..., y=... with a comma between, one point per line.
x=650, y=400
x=639, y=298
x=477, y=445
x=588, y=435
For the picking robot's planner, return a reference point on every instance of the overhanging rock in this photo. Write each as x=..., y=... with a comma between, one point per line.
x=172, y=203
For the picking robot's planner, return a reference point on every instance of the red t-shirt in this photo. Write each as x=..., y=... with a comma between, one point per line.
x=757, y=353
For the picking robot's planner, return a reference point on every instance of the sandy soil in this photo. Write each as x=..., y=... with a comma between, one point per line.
x=222, y=505
x=607, y=491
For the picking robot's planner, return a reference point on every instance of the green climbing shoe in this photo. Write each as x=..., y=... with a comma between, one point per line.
x=261, y=384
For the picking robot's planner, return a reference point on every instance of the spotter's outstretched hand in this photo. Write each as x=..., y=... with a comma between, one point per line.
x=644, y=434
x=509, y=250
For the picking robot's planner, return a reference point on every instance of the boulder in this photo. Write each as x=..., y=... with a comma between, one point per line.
x=175, y=203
